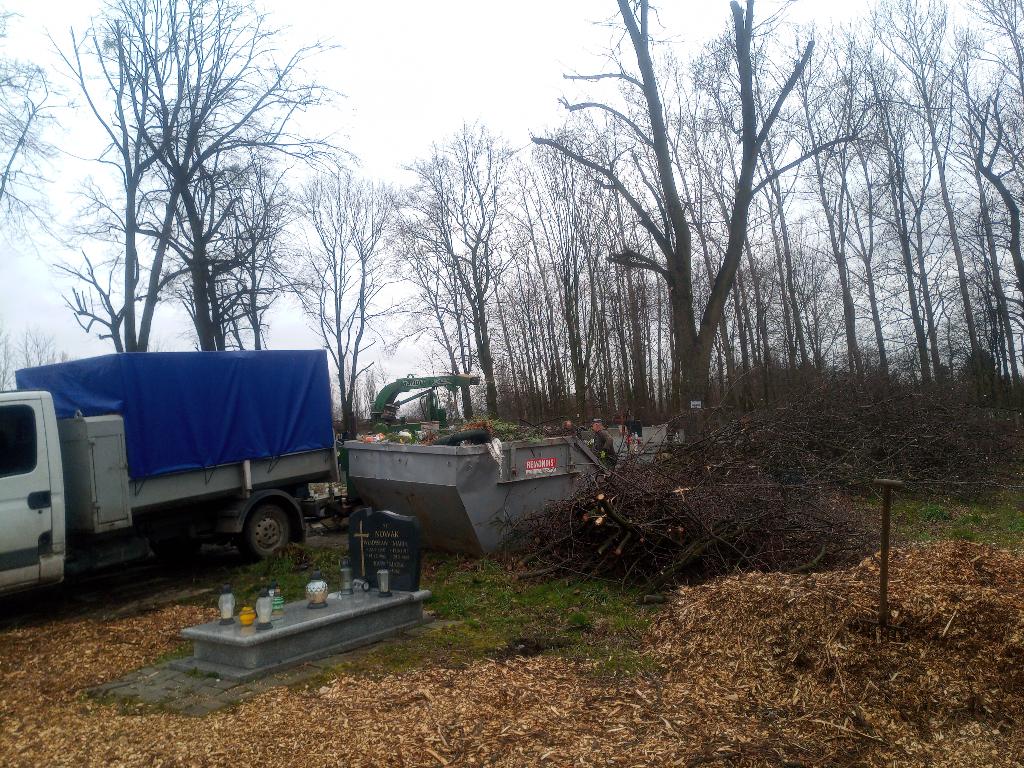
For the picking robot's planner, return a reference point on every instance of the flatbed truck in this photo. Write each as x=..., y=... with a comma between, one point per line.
x=103, y=460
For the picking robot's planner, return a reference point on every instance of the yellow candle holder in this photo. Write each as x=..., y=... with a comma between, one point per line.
x=247, y=616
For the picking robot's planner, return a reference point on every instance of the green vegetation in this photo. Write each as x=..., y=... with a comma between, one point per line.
x=291, y=571
x=997, y=519
x=587, y=620
x=510, y=430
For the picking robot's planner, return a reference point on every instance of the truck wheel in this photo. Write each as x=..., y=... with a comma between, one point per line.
x=266, y=531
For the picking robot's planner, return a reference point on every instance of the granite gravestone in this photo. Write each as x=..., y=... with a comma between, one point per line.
x=380, y=539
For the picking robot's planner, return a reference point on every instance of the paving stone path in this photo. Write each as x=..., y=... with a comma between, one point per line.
x=196, y=694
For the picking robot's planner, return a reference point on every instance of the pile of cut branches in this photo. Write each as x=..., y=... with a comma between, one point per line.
x=767, y=490
x=846, y=433
x=664, y=522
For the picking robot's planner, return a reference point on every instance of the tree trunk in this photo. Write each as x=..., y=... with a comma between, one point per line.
x=876, y=320
x=787, y=323
x=837, y=239
x=997, y=283
x=156, y=276
x=483, y=349
x=868, y=254
x=131, y=268
x=787, y=252
x=1013, y=210
x=954, y=237
x=896, y=184
x=926, y=297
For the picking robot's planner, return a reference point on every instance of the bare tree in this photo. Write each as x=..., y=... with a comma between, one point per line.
x=865, y=225
x=892, y=136
x=987, y=126
x=438, y=312
x=225, y=94
x=1006, y=19
x=249, y=256
x=563, y=218
x=24, y=113
x=455, y=211
x=115, y=74
x=345, y=271
x=32, y=348
x=830, y=108
x=668, y=224
x=916, y=36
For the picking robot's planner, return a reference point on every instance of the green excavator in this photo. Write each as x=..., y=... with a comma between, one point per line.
x=387, y=403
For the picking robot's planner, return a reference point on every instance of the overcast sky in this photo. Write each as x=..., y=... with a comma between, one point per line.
x=410, y=72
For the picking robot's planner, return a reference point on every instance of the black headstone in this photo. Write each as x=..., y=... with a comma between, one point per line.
x=380, y=539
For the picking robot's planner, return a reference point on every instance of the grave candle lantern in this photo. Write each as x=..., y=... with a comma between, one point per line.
x=264, y=608
x=276, y=601
x=226, y=605
x=384, y=582
x=346, y=576
x=316, y=591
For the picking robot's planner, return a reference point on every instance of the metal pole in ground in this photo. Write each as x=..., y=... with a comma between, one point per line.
x=883, y=564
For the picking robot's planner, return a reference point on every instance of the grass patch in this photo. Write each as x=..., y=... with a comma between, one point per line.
x=996, y=519
x=198, y=673
x=498, y=617
x=934, y=513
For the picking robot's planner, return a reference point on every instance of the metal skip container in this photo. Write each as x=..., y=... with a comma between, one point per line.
x=468, y=497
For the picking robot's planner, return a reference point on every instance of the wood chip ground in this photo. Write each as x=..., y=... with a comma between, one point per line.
x=755, y=669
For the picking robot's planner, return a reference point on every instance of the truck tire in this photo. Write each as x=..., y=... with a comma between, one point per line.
x=266, y=531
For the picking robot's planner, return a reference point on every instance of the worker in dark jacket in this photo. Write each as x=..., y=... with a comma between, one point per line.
x=604, y=445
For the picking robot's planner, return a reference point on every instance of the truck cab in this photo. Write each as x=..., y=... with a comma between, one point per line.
x=32, y=509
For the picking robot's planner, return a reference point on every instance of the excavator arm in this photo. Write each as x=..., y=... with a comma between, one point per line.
x=386, y=404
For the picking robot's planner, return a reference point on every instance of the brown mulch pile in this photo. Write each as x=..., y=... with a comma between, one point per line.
x=756, y=670
x=790, y=670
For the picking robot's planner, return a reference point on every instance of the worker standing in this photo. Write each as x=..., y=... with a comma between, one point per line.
x=604, y=445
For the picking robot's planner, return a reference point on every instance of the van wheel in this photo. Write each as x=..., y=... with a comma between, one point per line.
x=266, y=532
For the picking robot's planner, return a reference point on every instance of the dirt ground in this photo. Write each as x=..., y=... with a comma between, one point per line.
x=145, y=585
x=758, y=669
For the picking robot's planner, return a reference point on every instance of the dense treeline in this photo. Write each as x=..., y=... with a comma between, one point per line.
x=883, y=234
x=782, y=204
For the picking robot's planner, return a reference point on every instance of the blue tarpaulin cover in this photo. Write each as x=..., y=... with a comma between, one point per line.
x=192, y=410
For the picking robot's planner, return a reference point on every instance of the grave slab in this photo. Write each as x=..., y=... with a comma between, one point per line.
x=242, y=653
